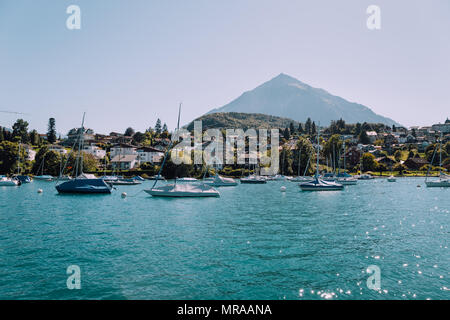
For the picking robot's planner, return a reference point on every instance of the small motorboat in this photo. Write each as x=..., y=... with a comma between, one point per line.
x=365, y=176
x=391, y=179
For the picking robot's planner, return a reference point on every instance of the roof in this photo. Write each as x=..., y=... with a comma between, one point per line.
x=123, y=145
x=149, y=149
x=124, y=158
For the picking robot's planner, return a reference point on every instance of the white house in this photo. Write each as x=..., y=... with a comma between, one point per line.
x=57, y=148
x=149, y=154
x=372, y=136
x=123, y=149
x=95, y=151
x=125, y=162
x=31, y=154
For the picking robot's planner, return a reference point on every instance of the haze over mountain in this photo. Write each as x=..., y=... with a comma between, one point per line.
x=285, y=96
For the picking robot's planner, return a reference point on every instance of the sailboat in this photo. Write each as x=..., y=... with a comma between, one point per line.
x=9, y=182
x=303, y=178
x=343, y=177
x=444, y=180
x=219, y=181
x=43, y=176
x=254, y=179
x=180, y=190
x=19, y=177
x=83, y=183
x=318, y=184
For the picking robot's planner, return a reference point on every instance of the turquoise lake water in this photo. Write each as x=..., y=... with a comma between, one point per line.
x=254, y=242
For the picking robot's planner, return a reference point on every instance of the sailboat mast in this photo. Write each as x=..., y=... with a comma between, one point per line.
x=18, y=161
x=440, y=156
x=318, y=151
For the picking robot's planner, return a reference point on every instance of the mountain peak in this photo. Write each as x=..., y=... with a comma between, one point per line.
x=285, y=96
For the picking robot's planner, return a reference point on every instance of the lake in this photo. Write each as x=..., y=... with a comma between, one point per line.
x=254, y=242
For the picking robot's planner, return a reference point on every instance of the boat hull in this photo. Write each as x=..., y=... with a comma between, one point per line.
x=183, y=191
x=320, y=185
x=251, y=181
x=84, y=186
x=438, y=184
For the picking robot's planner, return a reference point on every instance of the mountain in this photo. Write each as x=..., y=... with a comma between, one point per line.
x=285, y=96
x=232, y=120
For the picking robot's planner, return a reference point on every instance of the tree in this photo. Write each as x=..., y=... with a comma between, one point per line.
x=363, y=137
x=332, y=148
x=139, y=137
x=398, y=155
x=286, y=134
x=51, y=133
x=129, y=132
x=8, y=156
x=368, y=162
x=35, y=139
x=313, y=128
x=291, y=128
x=308, y=126
x=300, y=128
x=158, y=126
x=304, y=150
x=165, y=131
x=286, y=160
x=20, y=131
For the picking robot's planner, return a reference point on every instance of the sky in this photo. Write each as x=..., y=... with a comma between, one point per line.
x=134, y=61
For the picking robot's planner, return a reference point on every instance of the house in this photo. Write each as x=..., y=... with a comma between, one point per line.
x=123, y=149
x=372, y=136
x=31, y=154
x=74, y=134
x=95, y=151
x=57, y=148
x=388, y=162
x=415, y=163
x=442, y=127
x=353, y=155
x=125, y=162
x=149, y=154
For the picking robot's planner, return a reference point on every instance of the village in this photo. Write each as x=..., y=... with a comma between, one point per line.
x=374, y=148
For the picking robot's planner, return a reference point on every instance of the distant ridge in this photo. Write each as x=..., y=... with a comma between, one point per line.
x=239, y=120
x=285, y=96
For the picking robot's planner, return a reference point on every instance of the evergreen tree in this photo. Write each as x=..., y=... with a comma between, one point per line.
x=308, y=126
x=129, y=132
x=300, y=128
x=363, y=137
x=313, y=128
x=20, y=131
x=291, y=128
x=158, y=127
x=51, y=133
x=286, y=134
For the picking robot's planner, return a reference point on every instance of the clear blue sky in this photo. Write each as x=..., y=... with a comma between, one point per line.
x=134, y=61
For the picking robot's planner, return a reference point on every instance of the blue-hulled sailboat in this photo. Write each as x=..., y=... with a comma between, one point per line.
x=83, y=183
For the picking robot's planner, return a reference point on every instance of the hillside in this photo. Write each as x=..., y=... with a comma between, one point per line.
x=236, y=120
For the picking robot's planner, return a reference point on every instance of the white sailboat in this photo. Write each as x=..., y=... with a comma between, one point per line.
x=444, y=180
x=42, y=176
x=183, y=190
x=345, y=178
x=8, y=182
x=318, y=184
